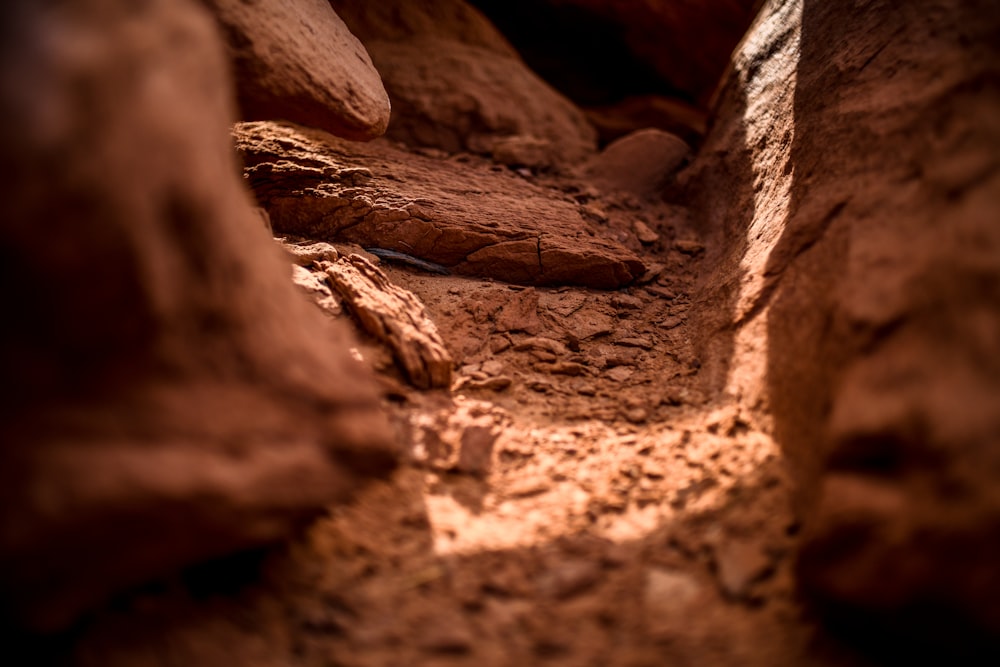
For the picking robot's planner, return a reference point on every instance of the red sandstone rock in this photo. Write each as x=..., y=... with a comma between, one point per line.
x=641, y=162
x=456, y=84
x=854, y=236
x=298, y=61
x=167, y=394
x=460, y=215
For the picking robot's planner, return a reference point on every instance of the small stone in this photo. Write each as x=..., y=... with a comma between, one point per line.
x=645, y=235
x=671, y=322
x=738, y=565
x=498, y=383
x=492, y=367
x=569, y=578
x=639, y=163
x=627, y=302
x=669, y=598
x=541, y=343
x=637, y=415
x=566, y=368
x=539, y=385
x=499, y=344
x=523, y=151
x=664, y=293
x=653, y=470
x=642, y=343
x=653, y=271
x=304, y=255
x=594, y=212
x=532, y=486
x=476, y=452
x=619, y=373
x=689, y=247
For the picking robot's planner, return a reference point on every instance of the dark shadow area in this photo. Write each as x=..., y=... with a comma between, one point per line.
x=589, y=60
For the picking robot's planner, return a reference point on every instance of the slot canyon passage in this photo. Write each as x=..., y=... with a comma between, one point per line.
x=570, y=332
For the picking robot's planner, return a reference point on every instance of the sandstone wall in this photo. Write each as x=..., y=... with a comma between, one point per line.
x=851, y=185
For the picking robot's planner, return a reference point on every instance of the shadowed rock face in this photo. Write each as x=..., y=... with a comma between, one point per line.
x=629, y=63
x=167, y=396
x=857, y=151
x=298, y=61
x=456, y=84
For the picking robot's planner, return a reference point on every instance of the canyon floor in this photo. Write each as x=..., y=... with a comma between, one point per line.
x=580, y=496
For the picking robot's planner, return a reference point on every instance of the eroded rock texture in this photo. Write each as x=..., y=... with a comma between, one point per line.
x=852, y=184
x=298, y=61
x=167, y=395
x=463, y=216
x=456, y=84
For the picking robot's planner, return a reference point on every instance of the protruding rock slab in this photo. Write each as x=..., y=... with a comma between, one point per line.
x=462, y=216
x=396, y=317
x=298, y=61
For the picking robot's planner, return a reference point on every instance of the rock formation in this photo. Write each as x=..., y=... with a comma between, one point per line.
x=850, y=187
x=167, y=394
x=465, y=217
x=457, y=85
x=298, y=61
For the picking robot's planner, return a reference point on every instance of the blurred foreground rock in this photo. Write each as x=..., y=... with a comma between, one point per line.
x=167, y=395
x=855, y=239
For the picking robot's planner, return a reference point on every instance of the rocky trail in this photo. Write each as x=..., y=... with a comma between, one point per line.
x=573, y=495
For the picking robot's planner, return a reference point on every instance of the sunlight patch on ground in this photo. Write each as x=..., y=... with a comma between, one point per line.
x=620, y=484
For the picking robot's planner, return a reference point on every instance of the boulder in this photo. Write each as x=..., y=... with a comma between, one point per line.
x=457, y=85
x=641, y=162
x=167, y=394
x=298, y=61
x=464, y=216
x=850, y=189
